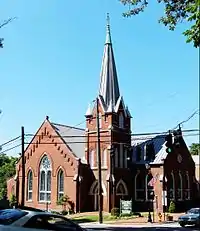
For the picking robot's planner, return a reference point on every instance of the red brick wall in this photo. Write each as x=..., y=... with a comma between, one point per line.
x=185, y=166
x=11, y=187
x=60, y=157
x=110, y=134
x=169, y=165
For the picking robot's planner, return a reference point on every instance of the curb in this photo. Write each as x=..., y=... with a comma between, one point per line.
x=127, y=223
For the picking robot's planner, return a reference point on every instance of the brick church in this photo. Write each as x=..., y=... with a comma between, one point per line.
x=62, y=160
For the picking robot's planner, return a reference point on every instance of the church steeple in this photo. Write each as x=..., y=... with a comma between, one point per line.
x=109, y=87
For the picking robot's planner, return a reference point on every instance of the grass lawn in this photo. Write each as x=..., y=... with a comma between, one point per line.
x=95, y=218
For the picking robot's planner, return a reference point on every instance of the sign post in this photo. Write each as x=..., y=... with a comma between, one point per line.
x=125, y=207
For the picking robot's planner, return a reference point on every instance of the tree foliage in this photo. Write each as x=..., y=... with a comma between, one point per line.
x=176, y=11
x=4, y=23
x=7, y=170
x=195, y=149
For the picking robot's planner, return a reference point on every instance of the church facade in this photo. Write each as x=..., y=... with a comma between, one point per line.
x=62, y=160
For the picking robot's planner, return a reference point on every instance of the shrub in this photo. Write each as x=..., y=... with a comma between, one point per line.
x=115, y=212
x=126, y=215
x=137, y=214
x=63, y=200
x=172, y=207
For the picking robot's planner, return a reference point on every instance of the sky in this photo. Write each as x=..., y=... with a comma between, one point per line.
x=51, y=60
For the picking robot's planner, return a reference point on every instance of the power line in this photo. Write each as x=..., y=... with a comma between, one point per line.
x=76, y=142
x=9, y=149
x=108, y=141
x=189, y=118
x=163, y=133
x=104, y=136
x=10, y=141
x=147, y=136
x=71, y=127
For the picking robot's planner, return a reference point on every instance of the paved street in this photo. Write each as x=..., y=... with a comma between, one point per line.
x=129, y=227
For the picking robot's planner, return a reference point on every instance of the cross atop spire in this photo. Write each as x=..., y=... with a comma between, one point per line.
x=109, y=87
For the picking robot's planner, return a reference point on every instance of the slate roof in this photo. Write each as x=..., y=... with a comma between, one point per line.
x=109, y=86
x=159, y=147
x=75, y=144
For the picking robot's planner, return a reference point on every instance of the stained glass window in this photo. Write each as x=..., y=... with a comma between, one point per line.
x=45, y=180
x=60, y=183
x=29, y=185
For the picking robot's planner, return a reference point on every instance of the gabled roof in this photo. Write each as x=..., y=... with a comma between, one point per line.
x=73, y=137
x=158, y=142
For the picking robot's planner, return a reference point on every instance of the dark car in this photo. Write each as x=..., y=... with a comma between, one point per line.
x=192, y=217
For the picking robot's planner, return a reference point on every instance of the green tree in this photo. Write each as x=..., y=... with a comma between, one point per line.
x=195, y=149
x=7, y=170
x=176, y=11
x=4, y=23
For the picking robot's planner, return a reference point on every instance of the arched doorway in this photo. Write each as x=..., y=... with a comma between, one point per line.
x=95, y=194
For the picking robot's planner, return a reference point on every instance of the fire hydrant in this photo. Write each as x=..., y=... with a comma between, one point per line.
x=159, y=217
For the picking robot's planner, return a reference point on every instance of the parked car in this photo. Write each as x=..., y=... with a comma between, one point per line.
x=192, y=217
x=37, y=220
x=13, y=228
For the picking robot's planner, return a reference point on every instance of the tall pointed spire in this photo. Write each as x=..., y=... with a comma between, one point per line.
x=108, y=35
x=109, y=87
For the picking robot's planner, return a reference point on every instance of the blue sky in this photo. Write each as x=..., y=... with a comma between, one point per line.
x=51, y=61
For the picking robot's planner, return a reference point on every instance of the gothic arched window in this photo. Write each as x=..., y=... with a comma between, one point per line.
x=104, y=158
x=171, y=182
x=139, y=187
x=121, y=120
x=138, y=153
x=180, y=186
x=116, y=157
x=45, y=180
x=150, y=152
x=100, y=120
x=187, y=184
x=91, y=158
x=149, y=187
x=121, y=155
x=60, y=182
x=29, y=185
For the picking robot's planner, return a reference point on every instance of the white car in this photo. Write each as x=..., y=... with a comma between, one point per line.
x=37, y=220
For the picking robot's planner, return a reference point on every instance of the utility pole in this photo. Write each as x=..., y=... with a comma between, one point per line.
x=23, y=170
x=99, y=163
x=112, y=180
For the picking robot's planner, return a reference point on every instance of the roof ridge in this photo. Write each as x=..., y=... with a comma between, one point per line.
x=67, y=126
x=149, y=137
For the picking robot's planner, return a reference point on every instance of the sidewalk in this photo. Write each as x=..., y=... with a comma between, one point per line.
x=144, y=220
x=135, y=221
